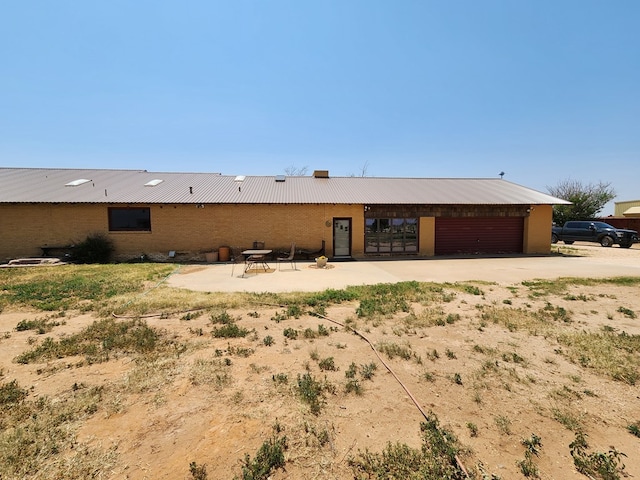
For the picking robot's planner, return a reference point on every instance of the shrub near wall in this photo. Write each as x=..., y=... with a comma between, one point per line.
x=96, y=248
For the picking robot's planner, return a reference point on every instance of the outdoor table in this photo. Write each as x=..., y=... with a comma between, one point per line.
x=254, y=257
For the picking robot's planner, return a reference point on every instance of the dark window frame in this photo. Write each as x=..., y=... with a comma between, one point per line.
x=391, y=236
x=129, y=219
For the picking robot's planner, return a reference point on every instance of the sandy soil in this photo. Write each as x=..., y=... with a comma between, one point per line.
x=185, y=407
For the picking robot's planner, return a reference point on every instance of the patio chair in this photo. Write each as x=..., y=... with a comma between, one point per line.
x=237, y=258
x=289, y=258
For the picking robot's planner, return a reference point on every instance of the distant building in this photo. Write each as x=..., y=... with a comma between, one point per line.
x=182, y=216
x=630, y=208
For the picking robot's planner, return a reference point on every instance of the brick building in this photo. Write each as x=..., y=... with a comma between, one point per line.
x=155, y=213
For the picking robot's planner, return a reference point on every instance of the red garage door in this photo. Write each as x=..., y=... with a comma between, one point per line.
x=479, y=235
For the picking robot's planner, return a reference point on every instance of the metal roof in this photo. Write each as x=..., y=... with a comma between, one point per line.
x=40, y=185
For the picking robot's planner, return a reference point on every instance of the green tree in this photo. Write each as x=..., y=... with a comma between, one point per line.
x=587, y=200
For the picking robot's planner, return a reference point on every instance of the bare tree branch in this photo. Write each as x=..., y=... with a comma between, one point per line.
x=293, y=171
x=364, y=171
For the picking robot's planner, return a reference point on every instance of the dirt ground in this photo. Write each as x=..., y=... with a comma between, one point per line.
x=217, y=399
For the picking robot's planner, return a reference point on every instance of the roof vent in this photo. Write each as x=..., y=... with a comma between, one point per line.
x=77, y=182
x=321, y=174
x=153, y=183
x=280, y=178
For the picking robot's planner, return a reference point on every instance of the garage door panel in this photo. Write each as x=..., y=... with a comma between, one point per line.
x=479, y=235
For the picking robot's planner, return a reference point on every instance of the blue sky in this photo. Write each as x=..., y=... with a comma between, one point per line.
x=544, y=90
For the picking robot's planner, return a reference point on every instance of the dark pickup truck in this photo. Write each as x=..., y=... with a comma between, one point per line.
x=587, y=231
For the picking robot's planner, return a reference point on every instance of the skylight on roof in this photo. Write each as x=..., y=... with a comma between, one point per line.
x=239, y=178
x=77, y=182
x=153, y=183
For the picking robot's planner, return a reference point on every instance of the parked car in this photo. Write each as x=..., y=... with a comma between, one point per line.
x=588, y=231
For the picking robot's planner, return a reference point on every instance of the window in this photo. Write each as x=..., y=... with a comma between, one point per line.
x=391, y=235
x=129, y=219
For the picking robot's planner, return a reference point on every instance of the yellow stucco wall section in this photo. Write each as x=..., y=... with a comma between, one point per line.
x=537, y=230
x=427, y=246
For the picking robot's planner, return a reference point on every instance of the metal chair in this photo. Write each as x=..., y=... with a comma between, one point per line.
x=236, y=258
x=253, y=259
x=289, y=258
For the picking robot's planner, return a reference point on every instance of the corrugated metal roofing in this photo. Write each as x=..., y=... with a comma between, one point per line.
x=34, y=185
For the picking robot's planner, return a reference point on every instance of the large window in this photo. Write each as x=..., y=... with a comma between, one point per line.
x=129, y=219
x=391, y=235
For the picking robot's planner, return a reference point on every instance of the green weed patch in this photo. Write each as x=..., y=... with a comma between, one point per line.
x=269, y=457
x=614, y=355
x=435, y=459
x=40, y=325
x=37, y=437
x=70, y=286
x=603, y=465
x=560, y=286
x=98, y=342
x=311, y=391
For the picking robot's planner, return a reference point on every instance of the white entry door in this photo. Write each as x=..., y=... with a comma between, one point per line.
x=341, y=237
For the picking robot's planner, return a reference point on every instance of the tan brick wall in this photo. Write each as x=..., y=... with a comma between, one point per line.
x=26, y=227
x=537, y=230
x=184, y=228
x=192, y=231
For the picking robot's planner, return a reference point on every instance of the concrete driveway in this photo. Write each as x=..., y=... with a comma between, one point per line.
x=586, y=260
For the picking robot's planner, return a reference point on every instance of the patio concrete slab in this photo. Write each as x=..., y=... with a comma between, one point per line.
x=504, y=270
